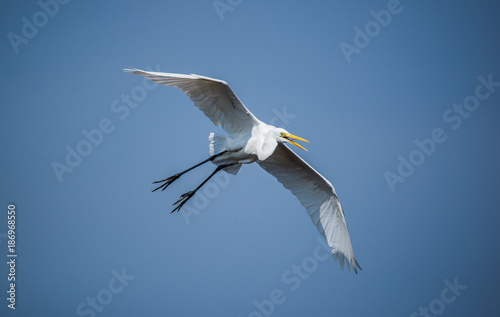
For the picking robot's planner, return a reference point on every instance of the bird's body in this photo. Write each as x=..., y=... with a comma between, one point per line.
x=251, y=140
x=256, y=144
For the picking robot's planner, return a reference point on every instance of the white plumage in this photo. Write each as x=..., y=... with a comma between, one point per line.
x=251, y=140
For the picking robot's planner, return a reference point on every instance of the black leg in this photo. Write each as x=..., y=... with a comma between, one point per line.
x=167, y=181
x=185, y=197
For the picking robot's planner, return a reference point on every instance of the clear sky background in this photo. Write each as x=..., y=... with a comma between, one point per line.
x=239, y=245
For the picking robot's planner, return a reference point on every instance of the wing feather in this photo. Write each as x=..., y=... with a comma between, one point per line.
x=212, y=96
x=319, y=198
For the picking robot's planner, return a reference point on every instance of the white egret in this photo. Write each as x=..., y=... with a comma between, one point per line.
x=251, y=140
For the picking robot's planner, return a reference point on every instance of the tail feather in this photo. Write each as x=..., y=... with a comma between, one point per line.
x=217, y=143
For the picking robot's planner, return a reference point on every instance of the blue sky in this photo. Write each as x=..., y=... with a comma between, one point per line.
x=96, y=242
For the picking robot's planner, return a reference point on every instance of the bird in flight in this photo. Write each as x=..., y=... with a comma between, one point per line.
x=251, y=140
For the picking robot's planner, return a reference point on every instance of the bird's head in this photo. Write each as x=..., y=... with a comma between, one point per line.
x=284, y=136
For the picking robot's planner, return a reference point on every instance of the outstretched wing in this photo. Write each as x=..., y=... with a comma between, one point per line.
x=212, y=96
x=318, y=196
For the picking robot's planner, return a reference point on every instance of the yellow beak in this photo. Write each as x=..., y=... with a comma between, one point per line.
x=290, y=137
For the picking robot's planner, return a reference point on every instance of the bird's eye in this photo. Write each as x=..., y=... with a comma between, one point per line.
x=282, y=134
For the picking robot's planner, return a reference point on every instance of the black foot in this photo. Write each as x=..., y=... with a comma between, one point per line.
x=184, y=198
x=166, y=181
